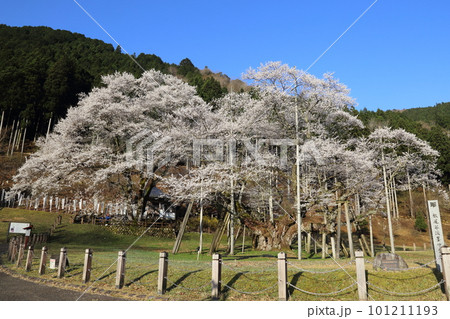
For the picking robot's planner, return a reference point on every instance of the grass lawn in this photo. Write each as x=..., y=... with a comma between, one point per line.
x=251, y=275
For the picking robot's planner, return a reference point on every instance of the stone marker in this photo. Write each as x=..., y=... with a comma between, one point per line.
x=389, y=261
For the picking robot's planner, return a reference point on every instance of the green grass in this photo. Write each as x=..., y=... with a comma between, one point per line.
x=251, y=275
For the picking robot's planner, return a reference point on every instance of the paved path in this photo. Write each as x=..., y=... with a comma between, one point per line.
x=16, y=289
x=13, y=289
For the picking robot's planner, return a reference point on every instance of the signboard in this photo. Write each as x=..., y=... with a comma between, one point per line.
x=18, y=228
x=436, y=231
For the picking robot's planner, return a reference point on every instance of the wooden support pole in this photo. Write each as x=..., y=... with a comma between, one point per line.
x=20, y=255
x=372, y=247
x=315, y=245
x=62, y=262
x=445, y=251
x=162, y=273
x=177, y=243
x=324, y=243
x=361, y=275
x=216, y=276
x=414, y=246
x=333, y=247
x=87, y=265
x=338, y=228
x=361, y=245
x=43, y=262
x=282, y=277
x=308, y=243
x=120, y=275
x=349, y=230
x=243, y=240
x=29, y=261
x=345, y=250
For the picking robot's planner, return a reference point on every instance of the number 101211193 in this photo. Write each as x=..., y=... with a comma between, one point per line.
x=409, y=310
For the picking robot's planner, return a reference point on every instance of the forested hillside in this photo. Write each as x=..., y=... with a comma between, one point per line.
x=42, y=71
x=431, y=124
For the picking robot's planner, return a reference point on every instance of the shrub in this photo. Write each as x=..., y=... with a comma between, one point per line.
x=420, y=225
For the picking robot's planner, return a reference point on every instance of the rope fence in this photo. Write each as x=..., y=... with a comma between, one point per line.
x=394, y=293
x=323, y=293
x=200, y=277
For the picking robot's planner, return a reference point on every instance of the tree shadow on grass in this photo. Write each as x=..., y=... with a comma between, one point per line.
x=439, y=278
x=139, y=278
x=226, y=290
x=294, y=282
x=107, y=275
x=181, y=279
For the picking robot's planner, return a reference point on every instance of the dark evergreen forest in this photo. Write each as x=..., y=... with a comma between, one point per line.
x=42, y=72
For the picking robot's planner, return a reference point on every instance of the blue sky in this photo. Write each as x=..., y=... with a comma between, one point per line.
x=396, y=56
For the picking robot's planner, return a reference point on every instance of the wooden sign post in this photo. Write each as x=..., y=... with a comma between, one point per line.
x=436, y=231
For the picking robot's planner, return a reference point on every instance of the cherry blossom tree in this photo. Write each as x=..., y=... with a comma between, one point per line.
x=393, y=151
x=104, y=141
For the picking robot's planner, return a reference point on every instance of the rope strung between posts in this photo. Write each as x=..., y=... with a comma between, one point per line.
x=199, y=288
x=249, y=292
x=248, y=271
x=319, y=272
x=323, y=293
x=406, y=293
x=193, y=268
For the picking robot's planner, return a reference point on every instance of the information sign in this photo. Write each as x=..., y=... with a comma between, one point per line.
x=436, y=231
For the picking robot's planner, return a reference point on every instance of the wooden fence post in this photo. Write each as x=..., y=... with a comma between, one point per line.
x=12, y=242
x=62, y=262
x=43, y=260
x=87, y=265
x=30, y=255
x=361, y=275
x=162, y=273
x=120, y=275
x=20, y=254
x=14, y=250
x=445, y=251
x=282, y=277
x=216, y=276
x=414, y=246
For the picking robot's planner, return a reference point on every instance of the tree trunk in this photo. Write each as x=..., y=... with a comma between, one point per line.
x=411, y=203
x=267, y=236
x=372, y=250
x=394, y=190
x=349, y=230
x=232, y=216
x=388, y=210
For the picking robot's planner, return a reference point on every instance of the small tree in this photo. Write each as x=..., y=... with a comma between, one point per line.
x=420, y=224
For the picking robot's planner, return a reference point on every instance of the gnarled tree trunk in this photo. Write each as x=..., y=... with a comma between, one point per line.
x=268, y=236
